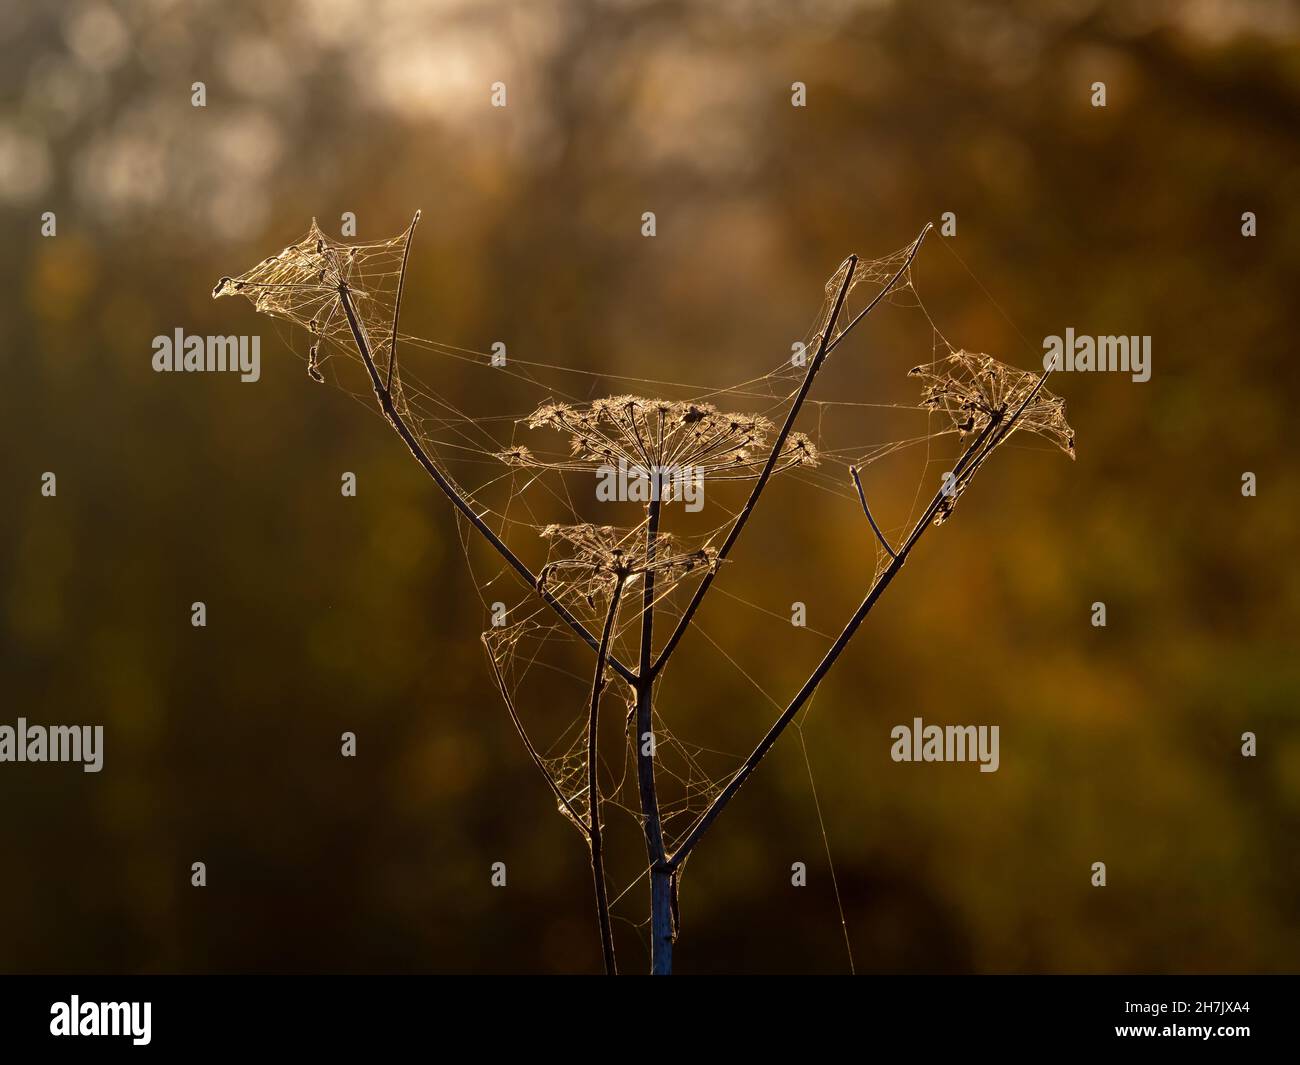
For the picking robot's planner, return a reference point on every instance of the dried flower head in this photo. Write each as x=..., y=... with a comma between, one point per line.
x=298, y=283
x=516, y=455
x=303, y=284
x=974, y=389
x=594, y=557
x=979, y=393
x=661, y=434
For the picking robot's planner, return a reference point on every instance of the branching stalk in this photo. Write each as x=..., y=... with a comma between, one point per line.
x=665, y=867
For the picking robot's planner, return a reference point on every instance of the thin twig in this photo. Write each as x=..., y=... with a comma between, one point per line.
x=916, y=246
x=397, y=303
x=528, y=743
x=875, y=528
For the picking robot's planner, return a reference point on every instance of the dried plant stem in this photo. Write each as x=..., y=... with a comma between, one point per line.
x=829, y=342
x=533, y=753
x=661, y=923
x=397, y=302
x=665, y=867
x=988, y=438
x=590, y=826
x=828, y=330
x=862, y=496
x=450, y=490
x=916, y=247
x=594, y=834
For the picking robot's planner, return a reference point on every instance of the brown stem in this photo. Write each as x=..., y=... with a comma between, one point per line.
x=862, y=496
x=528, y=744
x=450, y=490
x=661, y=936
x=397, y=303
x=661, y=920
x=594, y=837
x=969, y=460
x=829, y=342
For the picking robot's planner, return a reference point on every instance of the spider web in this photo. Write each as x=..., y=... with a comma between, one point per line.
x=526, y=466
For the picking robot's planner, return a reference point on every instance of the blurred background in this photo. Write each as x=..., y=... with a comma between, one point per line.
x=1118, y=744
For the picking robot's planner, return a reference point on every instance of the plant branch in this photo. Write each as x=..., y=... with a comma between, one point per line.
x=734, y=534
x=397, y=303
x=450, y=490
x=916, y=246
x=661, y=935
x=594, y=837
x=644, y=687
x=989, y=437
x=874, y=527
x=829, y=342
x=528, y=744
